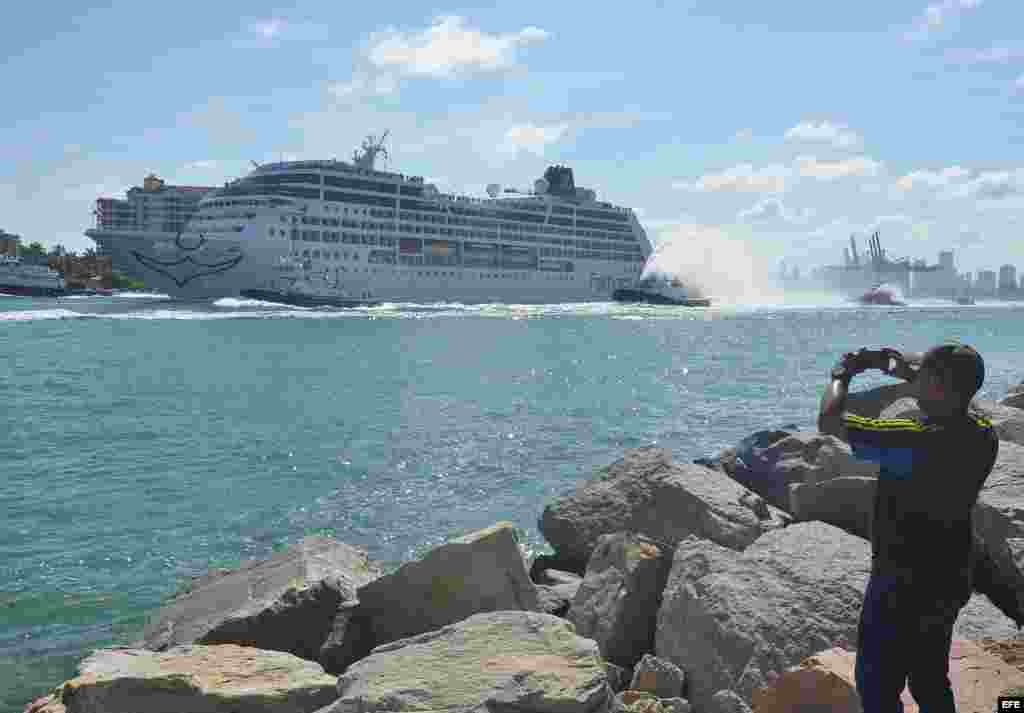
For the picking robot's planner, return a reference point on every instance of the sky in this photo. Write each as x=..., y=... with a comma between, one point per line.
x=739, y=132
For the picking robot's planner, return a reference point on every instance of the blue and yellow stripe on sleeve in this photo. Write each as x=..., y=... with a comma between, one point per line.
x=890, y=442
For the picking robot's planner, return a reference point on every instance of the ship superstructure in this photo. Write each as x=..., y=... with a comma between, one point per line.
x=345, y=232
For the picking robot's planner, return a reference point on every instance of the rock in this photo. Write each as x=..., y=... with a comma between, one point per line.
x=629, y=697
x=847, y=502
x=555, y=577
x=676, y=705
x=726, y=701
x=826, y=681
x=617, y=603
x=550, y=601
x=480, y=572
x=46, y=704
x=542, y=563
x=1013, y=400
x=770, y=463
x=286, y=603
x=507, y=660
x=823, y=681
x=662, y=678
x=199, y=679
x=729, y=618
x=618, y=676
x=645, y=492
x=999, y=524
x=981, y=619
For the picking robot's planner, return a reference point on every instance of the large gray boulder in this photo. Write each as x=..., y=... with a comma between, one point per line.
x=499, y=661
x=645, y=492
x=846, y=502
x=480, y=572
x=198, y=679
x=770, y=462
x=617, y=603
x=1013, y=400
x=981, y=619
x=289, y=602
x=662, y=678
x=999, y=521
x=729, y=618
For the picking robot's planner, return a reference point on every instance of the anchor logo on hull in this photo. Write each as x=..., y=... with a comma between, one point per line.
x=183, y=270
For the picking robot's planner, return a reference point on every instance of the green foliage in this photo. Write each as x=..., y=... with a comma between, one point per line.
x=33, y=249
x=122, y=282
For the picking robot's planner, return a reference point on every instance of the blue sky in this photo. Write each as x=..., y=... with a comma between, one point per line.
x=739, y=131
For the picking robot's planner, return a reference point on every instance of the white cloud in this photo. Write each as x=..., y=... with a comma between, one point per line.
x=841, y=137
x=772, y=210
x=1018, y=85
x=447, y=48
x=938, y=15
x=744, y=178
x=824, y=170
x=267, y=29
x=993, y=185
x=364, y=85
x=203, y=164
x=931, y=179
x=271, y=31
x=743, y=135
x=532, y=138
x=990, y=55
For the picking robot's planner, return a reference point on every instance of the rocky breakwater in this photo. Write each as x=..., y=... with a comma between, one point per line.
x=734, y=584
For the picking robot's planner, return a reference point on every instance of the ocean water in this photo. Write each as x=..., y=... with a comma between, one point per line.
x=144, y=440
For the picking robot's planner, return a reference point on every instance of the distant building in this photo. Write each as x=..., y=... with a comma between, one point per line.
x=9, y=243
x=1007, y=277
x=986, y=282
x=152, y=207
x=937, y=283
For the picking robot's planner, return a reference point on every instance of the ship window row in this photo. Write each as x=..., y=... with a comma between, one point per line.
x=276, y=179
x=360, y=184
x=379, y=201
x=601, y=215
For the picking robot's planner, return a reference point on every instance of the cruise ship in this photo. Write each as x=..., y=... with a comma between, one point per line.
x=26, y=279
x=344, y=233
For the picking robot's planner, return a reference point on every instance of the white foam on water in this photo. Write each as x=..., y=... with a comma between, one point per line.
x=40, y=314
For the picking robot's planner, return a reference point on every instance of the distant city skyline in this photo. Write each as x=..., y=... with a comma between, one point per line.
x=732, y=128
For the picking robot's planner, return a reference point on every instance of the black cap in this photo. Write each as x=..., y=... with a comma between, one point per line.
x=962, y=360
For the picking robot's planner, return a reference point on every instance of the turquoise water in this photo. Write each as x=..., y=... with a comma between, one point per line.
x=143, y=440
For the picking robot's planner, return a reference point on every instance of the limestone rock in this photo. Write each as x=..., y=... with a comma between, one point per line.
x=1014, y=399
x=645, y=492
x=726, y=701
x=662, y=678
x=999, y=523
x=769, y=463
x=980, y=619
x=617, y=603
x=675, y=705
x=198, y=679
x=555, y=562
x=826, y=681
x=902, y=408
x=286, y=603
x=556, y=577
x=845, y=502
x=729, y=618
x=551, y=601
x=618, y=677
x=480, y=572
x=506, y=660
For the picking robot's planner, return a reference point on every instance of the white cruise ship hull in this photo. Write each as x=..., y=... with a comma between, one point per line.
x=368, y=242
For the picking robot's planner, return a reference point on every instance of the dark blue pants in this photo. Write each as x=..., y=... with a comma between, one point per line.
x=904, y=639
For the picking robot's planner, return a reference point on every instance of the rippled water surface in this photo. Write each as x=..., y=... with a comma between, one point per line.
x=144, y=439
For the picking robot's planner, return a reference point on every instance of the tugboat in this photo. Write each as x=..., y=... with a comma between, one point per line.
x=879, y=295
x=661, y=290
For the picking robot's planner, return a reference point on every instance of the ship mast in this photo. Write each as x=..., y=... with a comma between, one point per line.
x=370, y=149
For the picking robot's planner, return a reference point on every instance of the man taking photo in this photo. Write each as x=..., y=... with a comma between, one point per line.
x=931, y=470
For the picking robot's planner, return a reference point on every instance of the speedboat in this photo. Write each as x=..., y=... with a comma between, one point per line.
x=661, y=290
x=880, y=295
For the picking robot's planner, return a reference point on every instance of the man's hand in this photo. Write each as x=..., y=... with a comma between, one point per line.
x=903, y=361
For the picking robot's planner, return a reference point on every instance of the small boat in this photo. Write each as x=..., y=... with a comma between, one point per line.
x=879, y=295
x=660, y=290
